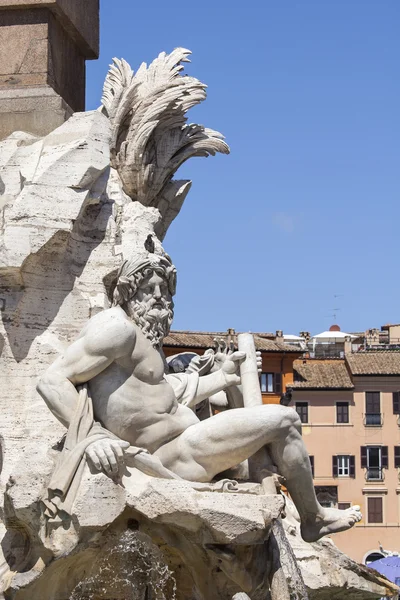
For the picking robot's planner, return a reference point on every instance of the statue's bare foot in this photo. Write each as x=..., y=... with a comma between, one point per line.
x=330, y=520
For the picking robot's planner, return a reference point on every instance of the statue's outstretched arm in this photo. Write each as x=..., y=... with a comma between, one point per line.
x=226, y=376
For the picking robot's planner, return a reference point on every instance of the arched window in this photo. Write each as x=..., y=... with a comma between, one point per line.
x=372, y=556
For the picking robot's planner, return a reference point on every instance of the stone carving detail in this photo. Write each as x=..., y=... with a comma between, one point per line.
x=47, y=184
x=86, y=293
x=150, y=136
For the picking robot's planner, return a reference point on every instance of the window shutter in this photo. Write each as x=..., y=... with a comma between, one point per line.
x=278, y=383
x=373, y=403
x=396, y=403
x=375, y=510
x=334, y=466
x=352, y=466
x=342, y=412
x=397, y=457
x=385, y=460
x=364, y=457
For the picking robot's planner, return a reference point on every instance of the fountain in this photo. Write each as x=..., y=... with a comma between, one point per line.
x=95, y=507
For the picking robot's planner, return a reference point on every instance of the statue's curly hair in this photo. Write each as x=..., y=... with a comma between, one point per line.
x=132, y=273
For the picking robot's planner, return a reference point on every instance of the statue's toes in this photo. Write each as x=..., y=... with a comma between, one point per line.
x=356, y=515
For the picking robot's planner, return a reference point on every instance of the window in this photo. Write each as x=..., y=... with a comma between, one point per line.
x=343, y=465
x=271, y=383
x=342, y=412
x=375, y=510
x=302, y=411
x=396, y=403
x=327, y=495
x=397, y=457
x=374, y=459
x=343, y=505
x=373, y=408
x=372, y=557
x=312, y=465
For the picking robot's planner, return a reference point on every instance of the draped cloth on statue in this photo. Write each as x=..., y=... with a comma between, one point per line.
x=185, y=387
x=84, y=430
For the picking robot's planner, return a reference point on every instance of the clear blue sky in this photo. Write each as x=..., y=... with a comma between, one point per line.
x=307, y=93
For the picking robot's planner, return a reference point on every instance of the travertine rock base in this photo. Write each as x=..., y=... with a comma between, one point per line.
x=165, y=537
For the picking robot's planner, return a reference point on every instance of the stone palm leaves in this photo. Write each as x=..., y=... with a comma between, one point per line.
x=151, y=138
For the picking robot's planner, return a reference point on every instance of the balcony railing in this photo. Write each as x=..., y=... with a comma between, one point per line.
x=374, y=419
x=327, y=351
x=374, y=474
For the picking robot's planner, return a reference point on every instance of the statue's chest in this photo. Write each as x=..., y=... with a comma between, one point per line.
x=148, y=365
x=149, y=371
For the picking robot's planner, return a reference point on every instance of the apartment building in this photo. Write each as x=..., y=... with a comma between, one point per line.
x=350, y=411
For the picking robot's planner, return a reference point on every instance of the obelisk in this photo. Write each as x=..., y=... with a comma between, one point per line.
x=44, y=45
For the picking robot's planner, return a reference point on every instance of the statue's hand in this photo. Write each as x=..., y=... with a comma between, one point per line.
x=224, y=351
x=230, y=368
x=107, y=455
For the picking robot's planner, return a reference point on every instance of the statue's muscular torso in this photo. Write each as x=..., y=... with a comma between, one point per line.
x=131, y=398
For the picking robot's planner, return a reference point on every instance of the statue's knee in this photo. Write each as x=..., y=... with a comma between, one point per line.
x=290, y=419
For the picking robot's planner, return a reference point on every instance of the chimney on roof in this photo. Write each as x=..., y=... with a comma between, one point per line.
x=306, y=335
x=231, y=333
x=279, y=333
x=334, y=328
x=372, y=337
x=347, y=345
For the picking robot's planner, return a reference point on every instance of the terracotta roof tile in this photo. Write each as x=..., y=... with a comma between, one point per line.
x=321, y=374
x=265, y=342
x=374, y=363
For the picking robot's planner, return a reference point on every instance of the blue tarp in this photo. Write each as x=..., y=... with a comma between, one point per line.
x=388, y=566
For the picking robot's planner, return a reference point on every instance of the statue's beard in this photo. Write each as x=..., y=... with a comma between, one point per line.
x=154, y=321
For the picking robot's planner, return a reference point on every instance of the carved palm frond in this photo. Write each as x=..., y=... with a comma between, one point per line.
x=119, y=79
x=151, y=138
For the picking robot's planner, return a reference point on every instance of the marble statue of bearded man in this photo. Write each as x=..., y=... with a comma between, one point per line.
x=133, y=409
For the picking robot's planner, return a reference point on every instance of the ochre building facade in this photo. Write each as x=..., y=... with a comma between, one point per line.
x=350, y=413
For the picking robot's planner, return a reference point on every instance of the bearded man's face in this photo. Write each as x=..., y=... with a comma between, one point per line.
x=151, y=308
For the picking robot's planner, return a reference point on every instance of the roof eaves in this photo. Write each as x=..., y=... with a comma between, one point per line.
x=375, y=374
x=321, y=388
